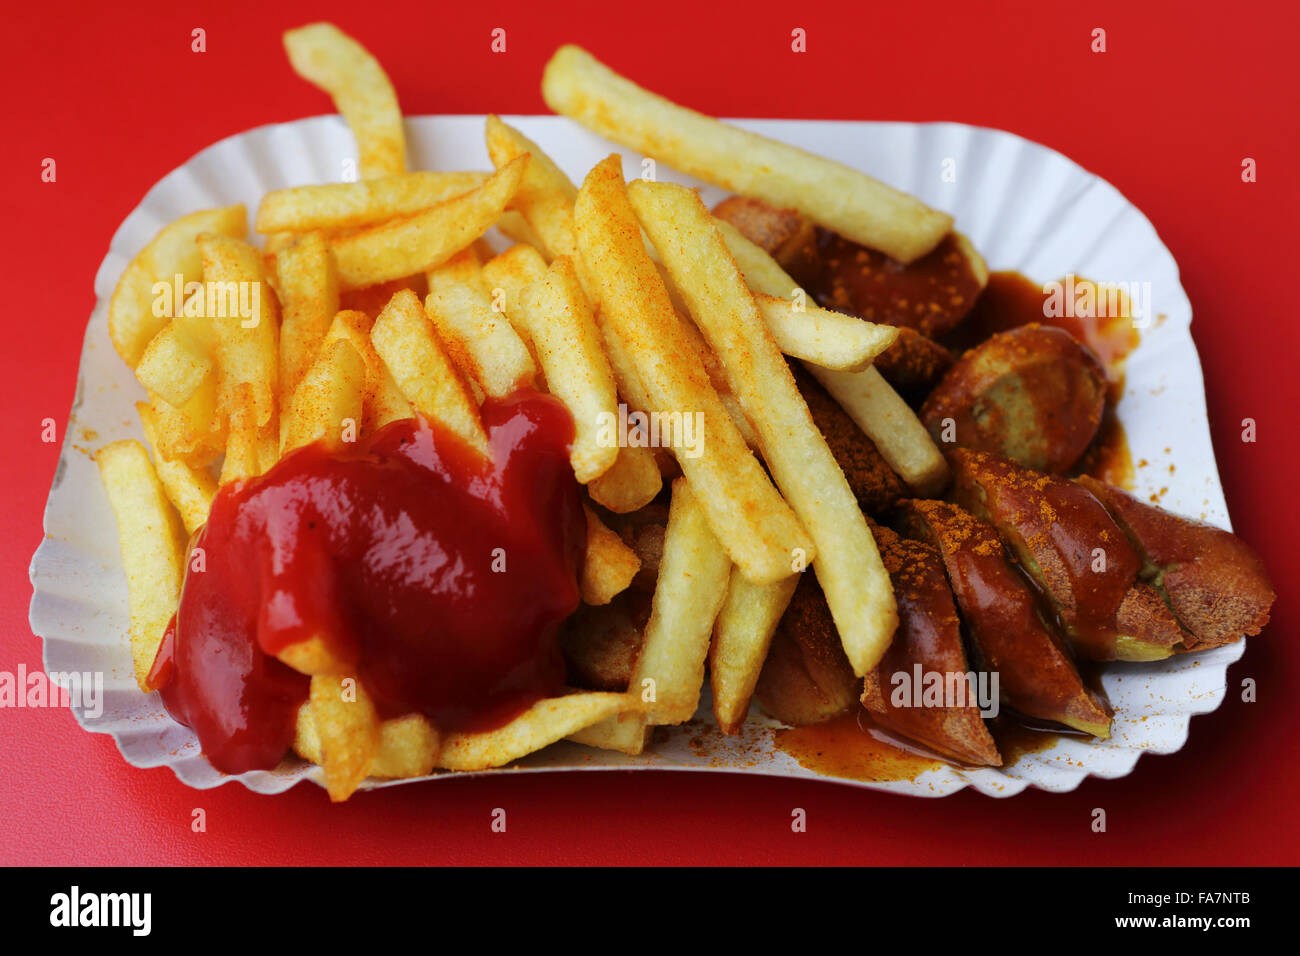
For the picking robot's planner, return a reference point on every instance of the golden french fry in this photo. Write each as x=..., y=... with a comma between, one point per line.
x=426, y=239
x=335, y=207
x=347, y=727
x=244, y=440
x=870, y=401
x=464, y=268
x=328, y=404
x=848, y=565
x=480, y=341
x=153, y=546
x=189, y=489
x=546, y=722
x=324, y=55
x=132, y=319
x=842, y=199
x=382, y=400
x=408, y=746
x=891, y=425
x=742, y=635
x=406, y=341
x=173, y=366
x=688, y=594
x=823, y=337
x=626, y=733
x=555, y=317
x=193, y=433
x=545, y=195
x=630, y=484
x=309, y=297
x=756, y=527
x=610, y=565
x=245, y=317
x=507, y=275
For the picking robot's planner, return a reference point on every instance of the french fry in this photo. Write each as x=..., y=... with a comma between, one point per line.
x=869, y=400
x=610, y=565
x=323, y=55
x=189, y=489
x=173, y=366
x=328, y=405
x=631, y=483
x=408, y=746
x=545, y=195
x=309, y=297
x=464, y=268
x=382, y=399
x=844, y=200
x=247, y=344
x=625, y=733
x=688, y=594
x=546, y=722
x=336, y=207
x=153, y=546
x=823, y=337
x=507, y=275
x=347, y=726
x=193, y=433
x=426, y=239
x=742, y=635
x=848, y=565
x=480, y=341
x=243, y=440
x=891, y=425
x=132, y=322
x=406, y=341
x=555, y=317
x=755, y=526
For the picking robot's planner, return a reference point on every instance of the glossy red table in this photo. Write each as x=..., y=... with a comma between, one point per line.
x=1167, y=114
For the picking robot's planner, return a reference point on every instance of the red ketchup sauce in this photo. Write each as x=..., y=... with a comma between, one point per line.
x=442, y=576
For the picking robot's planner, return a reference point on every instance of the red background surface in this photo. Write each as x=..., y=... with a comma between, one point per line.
x=1167, y=115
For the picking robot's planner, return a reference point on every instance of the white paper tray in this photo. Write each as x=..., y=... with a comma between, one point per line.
x=1025, y=207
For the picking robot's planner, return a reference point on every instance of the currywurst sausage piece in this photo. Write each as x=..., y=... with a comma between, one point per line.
x=1033, y=394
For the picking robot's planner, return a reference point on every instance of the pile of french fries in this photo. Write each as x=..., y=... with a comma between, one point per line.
x=379, y=299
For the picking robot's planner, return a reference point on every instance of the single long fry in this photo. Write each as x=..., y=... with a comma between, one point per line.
x=328, y=404
x=405, y=340
x=479, y=340
x=742, y=635
x=322, y=54
x=382, y=399
x=132, y=319
x=153, y=546
x=507, y=275
x=848, y=565
x=557, y=320
x=891, y=425
x=840, y=198
x=610, y=565
x=246, y=320
x=333, y=207
x=870, y=401
x=545, y=196
x=688, y=594
x=348, y=729
x=308, y=283
x=426, y=239
x=755, y=526
x=823, y=337
x=190, y=489
x=544, y=723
